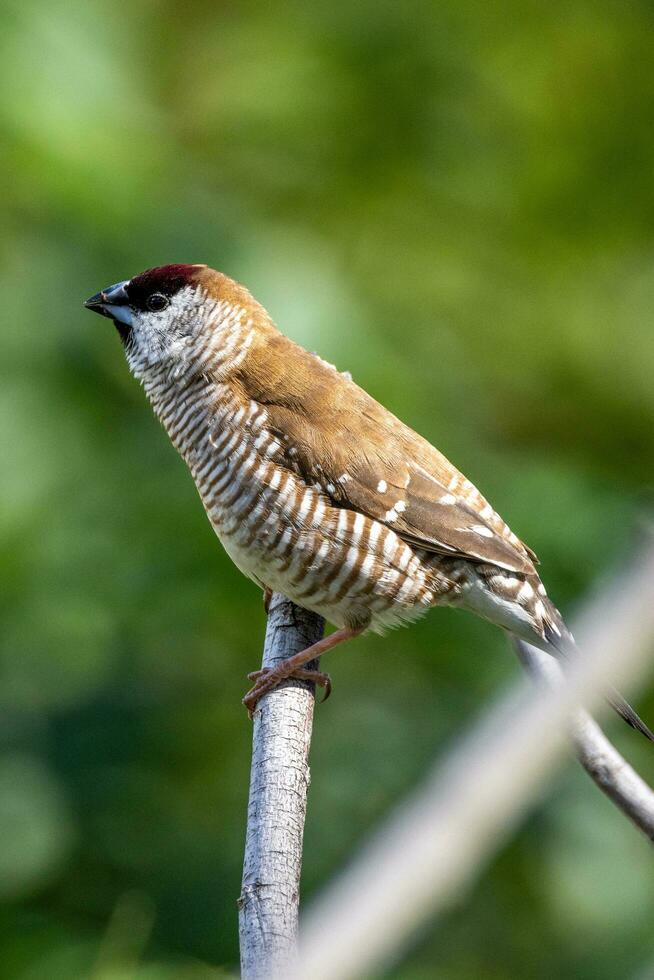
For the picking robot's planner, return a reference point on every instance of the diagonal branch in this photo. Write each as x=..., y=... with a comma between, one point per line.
x=598, y=756
x=279, y=780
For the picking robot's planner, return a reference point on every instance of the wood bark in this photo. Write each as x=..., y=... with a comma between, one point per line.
x=279, y=781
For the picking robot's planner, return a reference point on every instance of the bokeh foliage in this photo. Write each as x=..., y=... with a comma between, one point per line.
x=453, y=200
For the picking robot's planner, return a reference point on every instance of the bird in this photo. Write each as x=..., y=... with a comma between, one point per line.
x=314, y=488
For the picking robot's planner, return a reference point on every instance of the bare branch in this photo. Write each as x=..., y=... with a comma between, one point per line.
x=438, y=841
x=279, y=780
x=598, y=756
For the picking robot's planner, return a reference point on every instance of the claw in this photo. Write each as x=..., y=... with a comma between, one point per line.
x=267, y=679
x=328, y=688
x=316, y=677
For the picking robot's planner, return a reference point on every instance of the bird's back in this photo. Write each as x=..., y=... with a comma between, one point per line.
x=331, y=428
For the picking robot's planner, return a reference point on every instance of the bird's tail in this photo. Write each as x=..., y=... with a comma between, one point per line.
x=521, y=606
x=561, y=642
x=624, y=709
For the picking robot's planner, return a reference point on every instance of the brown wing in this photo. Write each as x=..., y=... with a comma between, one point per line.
x=334, y=434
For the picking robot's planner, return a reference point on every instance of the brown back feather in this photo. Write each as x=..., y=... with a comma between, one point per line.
x=366, y=459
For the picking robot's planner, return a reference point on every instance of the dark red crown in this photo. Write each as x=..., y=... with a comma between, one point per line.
x=166, y=279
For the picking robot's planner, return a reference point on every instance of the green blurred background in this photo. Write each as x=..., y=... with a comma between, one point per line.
x=453, y=200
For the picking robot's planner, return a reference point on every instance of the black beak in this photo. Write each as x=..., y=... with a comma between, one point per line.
x=98, y=304
x=112, y=302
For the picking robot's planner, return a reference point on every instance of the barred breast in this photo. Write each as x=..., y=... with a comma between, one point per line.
x=284, y=533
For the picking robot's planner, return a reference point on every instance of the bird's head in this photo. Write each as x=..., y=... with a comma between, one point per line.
x=167, y=314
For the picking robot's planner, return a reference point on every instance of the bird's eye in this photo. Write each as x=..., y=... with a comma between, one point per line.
x=157, y=302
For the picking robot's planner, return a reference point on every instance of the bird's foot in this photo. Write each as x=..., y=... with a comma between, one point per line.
x=267, y=596
x=268, y=678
